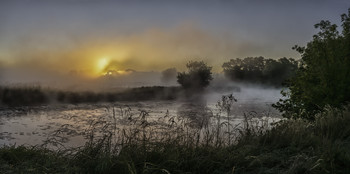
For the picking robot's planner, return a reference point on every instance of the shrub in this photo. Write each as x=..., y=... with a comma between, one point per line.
x=198, y=76
x=323, y=78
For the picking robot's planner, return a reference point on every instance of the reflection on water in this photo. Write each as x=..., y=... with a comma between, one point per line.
x=198, y=114
x=71, y=125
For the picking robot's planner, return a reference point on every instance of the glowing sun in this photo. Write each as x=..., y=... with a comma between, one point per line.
x=102, y=63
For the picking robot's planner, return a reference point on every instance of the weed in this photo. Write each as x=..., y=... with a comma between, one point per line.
x=172, y=144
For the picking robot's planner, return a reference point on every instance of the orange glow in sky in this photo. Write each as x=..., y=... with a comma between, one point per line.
x=54, y=38
x=102, y=63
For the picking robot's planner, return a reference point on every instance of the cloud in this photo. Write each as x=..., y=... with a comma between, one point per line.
x=153, y=49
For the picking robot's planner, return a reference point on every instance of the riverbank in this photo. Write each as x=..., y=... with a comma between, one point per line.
x=291, y=146
x=36, y=96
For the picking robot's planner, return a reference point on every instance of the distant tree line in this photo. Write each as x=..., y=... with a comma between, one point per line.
x=34, y=96
x=260, y=70
x=257, y=70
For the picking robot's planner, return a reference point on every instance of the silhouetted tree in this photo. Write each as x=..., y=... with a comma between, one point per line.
x=324, y=77
x=276, y=72
x=198, y=76
x=260, y=70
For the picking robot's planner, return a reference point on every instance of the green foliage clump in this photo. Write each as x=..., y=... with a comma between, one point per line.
x=198, y=76
x=23, y=159
x=324, y=76
x=260, y=70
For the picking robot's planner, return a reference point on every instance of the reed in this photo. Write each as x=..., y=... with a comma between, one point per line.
x=174, y=144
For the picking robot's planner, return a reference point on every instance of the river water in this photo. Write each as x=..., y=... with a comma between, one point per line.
x=70, y=125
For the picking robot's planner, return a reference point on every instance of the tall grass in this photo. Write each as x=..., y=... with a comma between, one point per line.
x=172, y=144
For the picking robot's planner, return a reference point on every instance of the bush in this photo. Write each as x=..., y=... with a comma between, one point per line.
x=323, y=78
x=198, y=76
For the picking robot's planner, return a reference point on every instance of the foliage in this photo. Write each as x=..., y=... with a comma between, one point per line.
x=198, y=76
x=323, y=79
x=23, y=159
x=260, y=70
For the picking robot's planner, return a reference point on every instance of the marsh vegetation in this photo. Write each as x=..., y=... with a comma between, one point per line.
x=175, y=145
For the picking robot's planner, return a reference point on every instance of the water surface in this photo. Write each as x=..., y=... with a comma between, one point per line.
x=69, y=125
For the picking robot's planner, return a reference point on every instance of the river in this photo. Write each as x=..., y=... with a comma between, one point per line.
x=69, y=125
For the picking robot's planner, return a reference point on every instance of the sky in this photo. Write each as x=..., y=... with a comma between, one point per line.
x=47, y=38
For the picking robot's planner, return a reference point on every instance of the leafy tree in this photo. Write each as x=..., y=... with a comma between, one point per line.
x=324, y=76
x=277, y=72
x=260, y=70
x=198, y=76
x=241, y=70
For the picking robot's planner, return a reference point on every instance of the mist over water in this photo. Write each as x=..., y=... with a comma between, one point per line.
x=73, y=81
x=36, y=125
